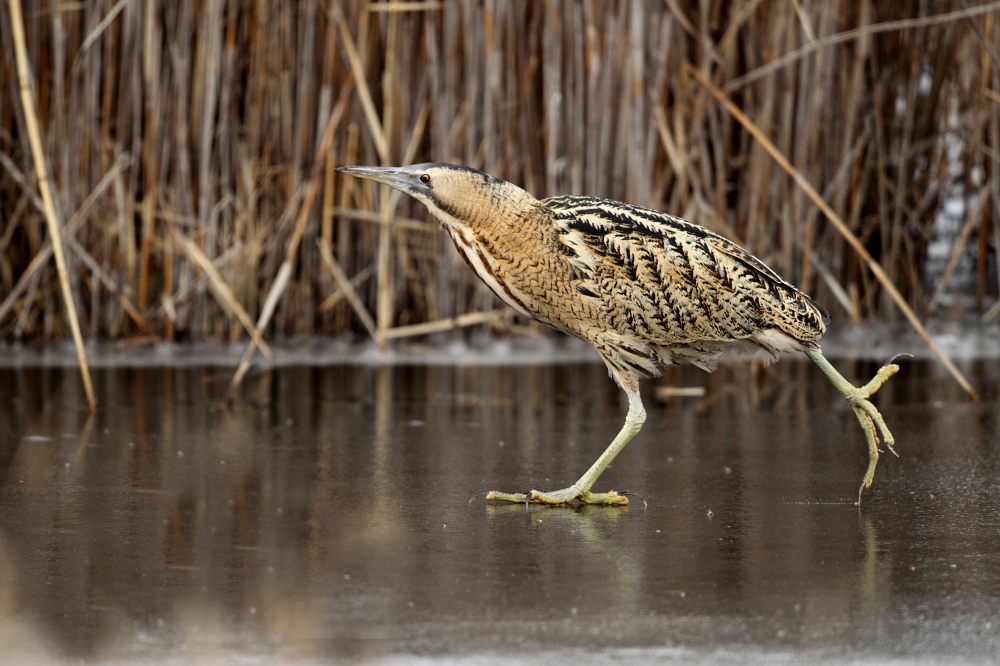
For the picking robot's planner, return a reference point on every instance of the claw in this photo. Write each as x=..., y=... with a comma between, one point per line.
x=477, y=496
x=893, y=359
x=632, y=492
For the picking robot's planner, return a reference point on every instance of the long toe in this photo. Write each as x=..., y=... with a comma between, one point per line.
x=504, y=497
x=610, y=497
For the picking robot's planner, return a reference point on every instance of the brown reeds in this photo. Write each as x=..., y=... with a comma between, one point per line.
x=216, y=113
x=843, y=229
x=48, y=205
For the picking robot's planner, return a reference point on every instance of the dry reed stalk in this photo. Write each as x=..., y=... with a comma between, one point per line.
x=75, y=223
x=991, y=135
x=99, y=29
x=364, y=94
x=849, y=35
x=41, y=171
x=460, y=321
x=329, y=194
x=840, y=226
x=169, y=305
x=974, y=218
x=344, y=283
x=377, y=130
x=346, y=238
x=326, y=231
x=106, y=280
x=284, y=273
x=8, y=234
x=390, y=200
x=222, y=291
x=339, y=293
x=403, y=6
x=992, y=312
x=667, y=392
x=222, y=103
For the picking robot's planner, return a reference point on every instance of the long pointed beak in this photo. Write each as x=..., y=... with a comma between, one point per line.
x=391, y=176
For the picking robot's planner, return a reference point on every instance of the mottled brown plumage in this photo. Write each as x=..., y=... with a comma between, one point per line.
x=645, y=288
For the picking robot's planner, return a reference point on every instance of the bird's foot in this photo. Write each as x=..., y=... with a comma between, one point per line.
x=564, y=496
x=871, y=420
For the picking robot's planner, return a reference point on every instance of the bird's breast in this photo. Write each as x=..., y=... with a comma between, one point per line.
x=488, y=269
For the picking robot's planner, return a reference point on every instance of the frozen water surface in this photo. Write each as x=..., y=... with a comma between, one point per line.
x=325, y=518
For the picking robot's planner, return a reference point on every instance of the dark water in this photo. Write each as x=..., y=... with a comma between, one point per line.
x=325, y=518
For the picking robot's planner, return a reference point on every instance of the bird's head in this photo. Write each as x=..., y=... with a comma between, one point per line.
x=455, y=195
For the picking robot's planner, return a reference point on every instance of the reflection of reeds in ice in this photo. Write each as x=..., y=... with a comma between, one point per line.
x=173, y=126
x=327, y=513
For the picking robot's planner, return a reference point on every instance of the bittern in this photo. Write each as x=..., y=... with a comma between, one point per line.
x=646, y=289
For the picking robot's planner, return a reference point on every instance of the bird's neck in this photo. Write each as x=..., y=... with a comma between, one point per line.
x=494, y=234
x=506, y=216
x=500, y=214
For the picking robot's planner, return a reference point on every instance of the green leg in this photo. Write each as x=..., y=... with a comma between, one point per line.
x=581, y=489
x=871, y=421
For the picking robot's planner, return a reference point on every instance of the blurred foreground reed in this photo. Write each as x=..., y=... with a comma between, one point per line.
x=190, y=145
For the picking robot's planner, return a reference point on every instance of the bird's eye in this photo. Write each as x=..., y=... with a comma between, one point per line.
x=425, y=178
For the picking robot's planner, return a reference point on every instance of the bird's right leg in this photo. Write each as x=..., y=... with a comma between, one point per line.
x=871, y=421
x=581, y=489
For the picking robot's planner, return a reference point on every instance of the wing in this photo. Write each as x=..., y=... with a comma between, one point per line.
x=669, y=283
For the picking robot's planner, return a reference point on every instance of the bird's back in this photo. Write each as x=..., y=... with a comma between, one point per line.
x=672, y=291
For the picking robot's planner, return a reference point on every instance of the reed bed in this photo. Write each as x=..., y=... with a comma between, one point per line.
x=190, y=145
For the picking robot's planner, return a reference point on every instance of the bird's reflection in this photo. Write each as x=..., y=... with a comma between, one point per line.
x=874, y=572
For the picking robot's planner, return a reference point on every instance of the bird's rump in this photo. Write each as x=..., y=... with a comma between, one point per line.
x=685, y=292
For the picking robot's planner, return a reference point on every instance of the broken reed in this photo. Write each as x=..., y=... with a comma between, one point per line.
x=190, y=145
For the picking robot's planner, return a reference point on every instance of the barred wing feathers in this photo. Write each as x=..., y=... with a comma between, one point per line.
x=673, y=284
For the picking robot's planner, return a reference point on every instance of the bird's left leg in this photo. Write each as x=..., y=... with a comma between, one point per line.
x=871, y=421
x=581, y=489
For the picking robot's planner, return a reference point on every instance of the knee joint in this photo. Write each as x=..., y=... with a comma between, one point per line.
x=636, y=420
